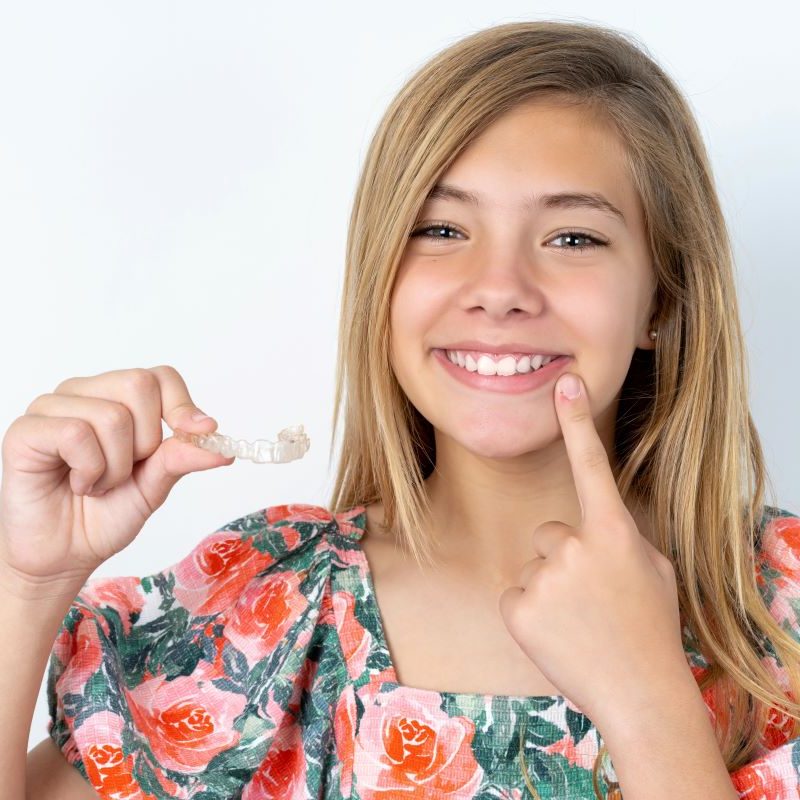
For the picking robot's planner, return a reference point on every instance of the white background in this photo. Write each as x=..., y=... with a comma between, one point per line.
x=176, y=182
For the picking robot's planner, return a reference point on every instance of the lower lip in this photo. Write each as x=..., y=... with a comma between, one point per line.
x=509, y=384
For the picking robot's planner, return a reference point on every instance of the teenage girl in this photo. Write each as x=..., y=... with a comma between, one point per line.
x=547, y=568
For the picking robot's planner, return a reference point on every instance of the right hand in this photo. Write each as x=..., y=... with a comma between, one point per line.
x=102, y=432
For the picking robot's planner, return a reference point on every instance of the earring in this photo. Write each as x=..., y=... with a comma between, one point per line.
x=653, y=334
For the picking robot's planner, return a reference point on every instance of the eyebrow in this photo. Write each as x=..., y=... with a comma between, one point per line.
x=595, y=200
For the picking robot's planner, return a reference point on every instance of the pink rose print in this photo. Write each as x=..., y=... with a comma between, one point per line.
x=81, y=662
x=356, y=640
x=583, y=755
x=344, y=727
x=781, y=546
x=263, y=614
x=282, y=774
x=404, y=748
x=187, y=720
x=347, y=526
x=298, y=512
x=110, y=772
x=774, y=772
x=213, y=575
x=124, y=595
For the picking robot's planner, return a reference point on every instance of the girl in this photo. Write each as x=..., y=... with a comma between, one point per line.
x=516, y=590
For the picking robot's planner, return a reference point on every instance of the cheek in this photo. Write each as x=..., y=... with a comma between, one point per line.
x=418, y=304
x=406, y=322
x=601, y=310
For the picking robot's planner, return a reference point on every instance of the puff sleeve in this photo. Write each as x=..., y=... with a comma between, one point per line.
x=175, y=685
x=775, y=773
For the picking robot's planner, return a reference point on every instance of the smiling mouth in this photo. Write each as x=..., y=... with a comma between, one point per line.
x=506, y=365
x=512, y=383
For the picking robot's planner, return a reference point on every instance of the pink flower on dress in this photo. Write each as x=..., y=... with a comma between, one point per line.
x=344, y=727
x=82, y=654
x=99, y=741
x=771, y=776
x=369, y=691
x=212, y=577
x=345, y=520
x=264, y=613
x=583, y=755
x=355, y=639
x=282, y=773
x=780, y=551
x=62, y=646
x=124, y=595
x=187, y=721
x=780, y=547
x=298, y=512
x=405, y=748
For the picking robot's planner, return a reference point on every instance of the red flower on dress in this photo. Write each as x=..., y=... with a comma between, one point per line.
x=407, y=749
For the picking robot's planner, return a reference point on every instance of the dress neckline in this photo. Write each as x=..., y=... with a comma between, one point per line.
x=352, y=525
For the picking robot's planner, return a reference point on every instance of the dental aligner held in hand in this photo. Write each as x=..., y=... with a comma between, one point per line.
x=293, y=443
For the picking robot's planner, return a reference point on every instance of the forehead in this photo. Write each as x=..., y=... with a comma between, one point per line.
x=540, y=148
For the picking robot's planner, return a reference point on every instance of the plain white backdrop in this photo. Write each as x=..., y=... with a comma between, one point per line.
x=176, y=182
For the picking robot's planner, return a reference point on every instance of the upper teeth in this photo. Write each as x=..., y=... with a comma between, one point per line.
x=504, y=365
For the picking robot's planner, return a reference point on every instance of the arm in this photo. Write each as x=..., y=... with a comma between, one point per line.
x=666, y=747
x=49, y=776
x=30, y=617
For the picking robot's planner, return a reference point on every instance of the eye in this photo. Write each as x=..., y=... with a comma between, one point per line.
x=438, y=227
x=432, y=230
x=594, y=241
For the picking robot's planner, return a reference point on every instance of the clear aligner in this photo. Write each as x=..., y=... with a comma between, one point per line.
x=293, y=443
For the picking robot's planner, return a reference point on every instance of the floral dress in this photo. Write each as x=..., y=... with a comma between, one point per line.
x=257, y=667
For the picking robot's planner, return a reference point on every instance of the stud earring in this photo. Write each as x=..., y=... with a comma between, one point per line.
x=653, y=334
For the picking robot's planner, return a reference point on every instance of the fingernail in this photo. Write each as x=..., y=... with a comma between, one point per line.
x=569, y=386
x=199, y=416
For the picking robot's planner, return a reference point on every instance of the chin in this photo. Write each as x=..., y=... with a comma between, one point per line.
x=501, y=444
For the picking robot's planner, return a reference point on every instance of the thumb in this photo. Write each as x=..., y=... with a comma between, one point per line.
x=157, y=474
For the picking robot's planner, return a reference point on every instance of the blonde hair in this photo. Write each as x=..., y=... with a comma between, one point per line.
x=685, y=440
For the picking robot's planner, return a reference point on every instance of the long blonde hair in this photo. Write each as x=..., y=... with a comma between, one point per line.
x=685, y=439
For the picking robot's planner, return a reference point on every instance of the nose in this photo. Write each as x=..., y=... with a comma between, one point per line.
x=504, y=286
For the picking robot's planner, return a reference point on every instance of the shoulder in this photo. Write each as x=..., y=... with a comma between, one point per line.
x=774, y=771
x=216, y=571
x=777, y=563
x=282, y=537
x=221, y=637
x=778, y=550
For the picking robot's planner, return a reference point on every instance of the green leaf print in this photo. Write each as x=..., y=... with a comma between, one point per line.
x=234, y=662
x=578, y=725
x=472, y=706
x=146, y=777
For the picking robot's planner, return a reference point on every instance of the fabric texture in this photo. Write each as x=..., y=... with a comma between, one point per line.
x=257, y=667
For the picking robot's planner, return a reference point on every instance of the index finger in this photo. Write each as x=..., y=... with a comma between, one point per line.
x=591, y=469
x=177, y=406
x=150, y=395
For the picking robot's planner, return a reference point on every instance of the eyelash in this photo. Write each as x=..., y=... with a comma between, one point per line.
x=445, y=226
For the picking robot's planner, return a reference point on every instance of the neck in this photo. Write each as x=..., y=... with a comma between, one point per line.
x=483, y=511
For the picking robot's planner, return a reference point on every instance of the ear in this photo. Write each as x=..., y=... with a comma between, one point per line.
x=645, y=342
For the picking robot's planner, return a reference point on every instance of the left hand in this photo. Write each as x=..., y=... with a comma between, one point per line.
x=597, y=610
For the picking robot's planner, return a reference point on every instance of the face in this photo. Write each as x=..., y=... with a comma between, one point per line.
x=515, y=278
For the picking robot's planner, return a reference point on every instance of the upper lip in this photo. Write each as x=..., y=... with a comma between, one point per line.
x=498, y=349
